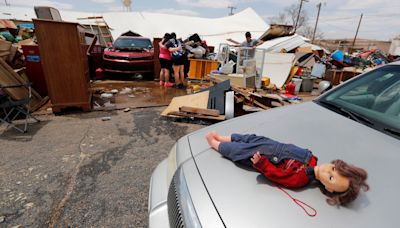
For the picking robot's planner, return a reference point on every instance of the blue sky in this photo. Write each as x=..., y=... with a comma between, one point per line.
x=338, y=18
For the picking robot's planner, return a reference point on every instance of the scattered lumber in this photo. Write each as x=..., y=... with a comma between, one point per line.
x=246, y=94
x=200, y=111
x=195, y=115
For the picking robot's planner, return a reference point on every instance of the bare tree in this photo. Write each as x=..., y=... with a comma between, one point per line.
x=292, y=12
x=289, y=16
x=308, y=31
x=280, y=19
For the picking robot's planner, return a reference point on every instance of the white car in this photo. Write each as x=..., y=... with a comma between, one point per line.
x=358, y=121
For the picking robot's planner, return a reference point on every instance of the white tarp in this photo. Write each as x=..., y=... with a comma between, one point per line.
x=213, y=30
x=277, y=67
x=151, y=25
x=287, y=43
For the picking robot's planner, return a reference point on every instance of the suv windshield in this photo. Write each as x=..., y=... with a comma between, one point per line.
x=132, y=43
x=372, y=99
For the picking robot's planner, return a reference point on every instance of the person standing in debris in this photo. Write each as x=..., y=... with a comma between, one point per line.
x=165, y=62
x=248, y=46
x=175, y=47
x=249, y=42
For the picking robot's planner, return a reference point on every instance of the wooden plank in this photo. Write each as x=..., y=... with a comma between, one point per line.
x=184, y=114
x=201, y=111
x=247, y=96
x=197, y=100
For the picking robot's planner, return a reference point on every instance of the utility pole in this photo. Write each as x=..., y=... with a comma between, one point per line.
x=355, y=37
x=231, y=8
x=316, y=23
x=298, y=15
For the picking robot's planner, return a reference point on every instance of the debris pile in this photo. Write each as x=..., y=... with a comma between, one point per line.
x=12, y=37
x=260, y=79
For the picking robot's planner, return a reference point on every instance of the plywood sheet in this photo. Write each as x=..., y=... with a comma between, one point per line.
x=197, y=100
x=277, y=67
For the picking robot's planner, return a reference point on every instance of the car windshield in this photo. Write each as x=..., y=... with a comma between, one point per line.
x=372, y=99
x=134, y=43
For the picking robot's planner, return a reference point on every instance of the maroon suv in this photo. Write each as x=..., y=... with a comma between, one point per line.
x=130, y=54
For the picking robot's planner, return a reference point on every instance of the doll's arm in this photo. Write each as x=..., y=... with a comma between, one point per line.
x=286, y=177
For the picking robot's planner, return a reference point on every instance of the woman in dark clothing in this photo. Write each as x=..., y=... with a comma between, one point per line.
x=175, y=47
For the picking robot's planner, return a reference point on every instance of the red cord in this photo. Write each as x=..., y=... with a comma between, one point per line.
x=300, y=203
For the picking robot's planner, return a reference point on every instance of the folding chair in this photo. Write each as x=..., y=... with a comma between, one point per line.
x=12, y=108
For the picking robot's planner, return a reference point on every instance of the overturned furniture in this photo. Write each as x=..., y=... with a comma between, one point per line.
x=12, y=108
x=64, y=54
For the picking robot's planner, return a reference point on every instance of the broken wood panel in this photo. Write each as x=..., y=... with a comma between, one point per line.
x=249, y=98
x=197, y=100
x=201, y=111
x=9, y=77
x=184, y=114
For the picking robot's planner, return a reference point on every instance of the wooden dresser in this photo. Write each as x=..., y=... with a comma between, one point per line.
x=63, y=51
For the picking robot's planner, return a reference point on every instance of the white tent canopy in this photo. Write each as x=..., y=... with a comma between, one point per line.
x=151, y=25
x=213, y=30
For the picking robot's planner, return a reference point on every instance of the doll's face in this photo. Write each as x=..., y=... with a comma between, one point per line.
x=330, y=178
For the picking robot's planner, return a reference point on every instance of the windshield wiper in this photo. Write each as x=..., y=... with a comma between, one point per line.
x=357, y=117
x=352, y=115
x=392, y=131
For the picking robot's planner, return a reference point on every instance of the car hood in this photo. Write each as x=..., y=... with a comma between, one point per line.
x=244, y=198
x=125, y=53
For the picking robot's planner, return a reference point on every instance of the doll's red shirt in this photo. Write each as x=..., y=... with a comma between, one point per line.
x=289, y=173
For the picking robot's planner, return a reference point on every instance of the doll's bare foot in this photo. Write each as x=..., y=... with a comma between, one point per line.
x=211, y=136
x=212, y=141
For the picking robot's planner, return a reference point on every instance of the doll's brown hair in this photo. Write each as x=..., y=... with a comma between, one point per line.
x=357, y=177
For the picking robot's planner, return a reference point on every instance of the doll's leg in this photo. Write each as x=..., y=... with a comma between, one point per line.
x=223, y=138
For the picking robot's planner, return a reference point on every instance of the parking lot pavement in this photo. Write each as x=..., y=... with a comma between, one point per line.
x=77, y=170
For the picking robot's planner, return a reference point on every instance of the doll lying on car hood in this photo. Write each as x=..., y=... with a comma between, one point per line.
x=292, y=166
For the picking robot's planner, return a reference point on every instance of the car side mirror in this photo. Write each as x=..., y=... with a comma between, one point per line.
x=109, y=44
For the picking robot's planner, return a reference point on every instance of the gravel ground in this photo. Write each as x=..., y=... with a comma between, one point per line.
x=79, y=171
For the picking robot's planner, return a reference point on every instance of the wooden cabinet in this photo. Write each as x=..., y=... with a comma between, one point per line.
x=201, y=67
x=63, y=48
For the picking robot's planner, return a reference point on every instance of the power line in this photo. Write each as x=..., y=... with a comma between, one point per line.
x=325, y=19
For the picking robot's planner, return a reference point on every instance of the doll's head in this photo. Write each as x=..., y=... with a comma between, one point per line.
x=341, y=182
